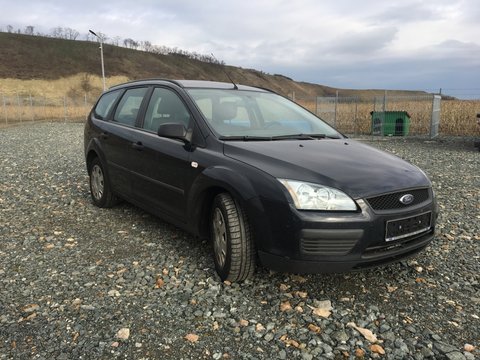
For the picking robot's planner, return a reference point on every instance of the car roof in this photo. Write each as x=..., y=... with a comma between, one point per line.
x=198, y=84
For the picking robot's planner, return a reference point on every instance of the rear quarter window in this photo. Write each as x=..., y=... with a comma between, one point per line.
x=105, y=104
x=129, y=106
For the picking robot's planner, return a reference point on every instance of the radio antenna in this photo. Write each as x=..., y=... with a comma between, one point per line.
x=235, y=87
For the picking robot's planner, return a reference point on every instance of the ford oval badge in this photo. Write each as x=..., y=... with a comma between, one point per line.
x=407, y=199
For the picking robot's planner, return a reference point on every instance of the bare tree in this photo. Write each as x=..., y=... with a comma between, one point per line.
x=58, y=32
x=71, y=34
x=129, y=43
x=116, y=40
x=102, y=36
x=146, y=45
x=29, y=30
x=9, y=28
x=85, y=84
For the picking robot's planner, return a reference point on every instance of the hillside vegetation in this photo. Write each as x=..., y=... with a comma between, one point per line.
x=32, y=63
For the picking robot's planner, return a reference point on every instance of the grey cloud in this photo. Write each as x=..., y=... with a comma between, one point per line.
x=406, y=12
x=362, y=43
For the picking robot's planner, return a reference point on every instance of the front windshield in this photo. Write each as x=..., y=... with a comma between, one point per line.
x=256, y=114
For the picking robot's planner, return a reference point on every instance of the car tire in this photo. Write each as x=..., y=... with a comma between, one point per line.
x=233, y=247
x=100, y=190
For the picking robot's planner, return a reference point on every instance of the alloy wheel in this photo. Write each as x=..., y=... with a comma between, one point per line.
x=97, y=182
x=220, y=237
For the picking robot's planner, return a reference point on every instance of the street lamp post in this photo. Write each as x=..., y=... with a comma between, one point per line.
x=101, y=57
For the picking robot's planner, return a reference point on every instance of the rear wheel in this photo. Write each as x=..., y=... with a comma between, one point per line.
x=100, y=190
x=233, y=248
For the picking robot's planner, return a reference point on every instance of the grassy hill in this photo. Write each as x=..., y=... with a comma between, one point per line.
x=26, y=57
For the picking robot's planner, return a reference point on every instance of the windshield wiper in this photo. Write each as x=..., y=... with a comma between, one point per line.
x=245, y=138
x=277, y=137
x=300, y=137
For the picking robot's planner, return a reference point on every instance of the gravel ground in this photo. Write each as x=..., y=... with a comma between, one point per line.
x=79, y=282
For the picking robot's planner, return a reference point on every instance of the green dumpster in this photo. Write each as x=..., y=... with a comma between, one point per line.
x=391, y=123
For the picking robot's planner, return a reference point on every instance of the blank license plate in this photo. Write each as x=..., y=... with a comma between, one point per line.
x=406, y=227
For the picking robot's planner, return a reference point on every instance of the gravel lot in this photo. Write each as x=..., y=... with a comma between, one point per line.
x=78, y=282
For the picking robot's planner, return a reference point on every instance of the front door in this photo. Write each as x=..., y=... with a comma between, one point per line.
x=162, y=166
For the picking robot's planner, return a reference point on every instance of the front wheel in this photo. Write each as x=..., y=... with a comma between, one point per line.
x=233, y=247
x=100, y=190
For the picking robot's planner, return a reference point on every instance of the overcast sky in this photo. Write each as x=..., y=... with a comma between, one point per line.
x=396, y=44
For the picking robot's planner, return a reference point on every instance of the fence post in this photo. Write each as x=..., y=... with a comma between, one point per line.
x=372, y=125
x=19, y=110
x=65, y=107
x=335, y=115
x=31, y=109
x=355, y=118
x=45, y=107
x=5, y=109
x=86, y=106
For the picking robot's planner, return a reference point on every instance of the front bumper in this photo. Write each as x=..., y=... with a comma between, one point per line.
x=315, y=242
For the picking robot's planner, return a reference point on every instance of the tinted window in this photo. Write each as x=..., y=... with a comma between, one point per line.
x=127, y=109
x=165, y=107
x=105, y=104
x=256, y=113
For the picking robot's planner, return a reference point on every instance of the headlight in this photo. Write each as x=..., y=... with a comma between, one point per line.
x=308, y=196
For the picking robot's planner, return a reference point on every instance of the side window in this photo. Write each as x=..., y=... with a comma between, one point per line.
x=165, y=107
x=105, y=104
x=129, y=106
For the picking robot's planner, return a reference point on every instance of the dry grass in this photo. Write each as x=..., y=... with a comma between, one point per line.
x=457, y=117
x=51, y=112
x=61, y=99
x=55, y=88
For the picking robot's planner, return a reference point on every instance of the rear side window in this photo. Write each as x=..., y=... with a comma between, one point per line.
x=105, y=104
x=129, y=105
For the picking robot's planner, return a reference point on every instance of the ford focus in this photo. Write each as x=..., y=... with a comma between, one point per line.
x=264, y=179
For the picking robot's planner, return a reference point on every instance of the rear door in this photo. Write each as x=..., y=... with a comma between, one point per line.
x=162, y=166
x=117, y=137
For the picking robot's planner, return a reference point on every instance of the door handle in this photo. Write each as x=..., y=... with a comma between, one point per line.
x=104, y=135
x=138, y=145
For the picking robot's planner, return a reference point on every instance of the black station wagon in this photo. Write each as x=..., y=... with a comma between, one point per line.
x=263, y=178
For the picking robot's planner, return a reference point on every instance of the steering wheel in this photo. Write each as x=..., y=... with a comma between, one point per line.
x=271, y=124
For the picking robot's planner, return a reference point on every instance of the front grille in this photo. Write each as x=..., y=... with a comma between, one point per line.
x=392, y=201
x=326, y=246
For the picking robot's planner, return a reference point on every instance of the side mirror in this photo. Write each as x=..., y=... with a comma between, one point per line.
x=173, y=131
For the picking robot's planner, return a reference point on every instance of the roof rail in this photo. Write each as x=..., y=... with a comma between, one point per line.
x=147, y=80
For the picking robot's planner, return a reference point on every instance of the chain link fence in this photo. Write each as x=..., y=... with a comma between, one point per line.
x=428, y=115
x=18, y=109
x=396, y=115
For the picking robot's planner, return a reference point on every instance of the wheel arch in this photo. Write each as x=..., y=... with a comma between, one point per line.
x=93, y=150
x=92, y=154
x=209, y=184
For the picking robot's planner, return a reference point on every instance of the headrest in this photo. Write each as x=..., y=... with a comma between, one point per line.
x=226, y=111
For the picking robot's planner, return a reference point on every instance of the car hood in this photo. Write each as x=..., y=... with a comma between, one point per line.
x=355, y=168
